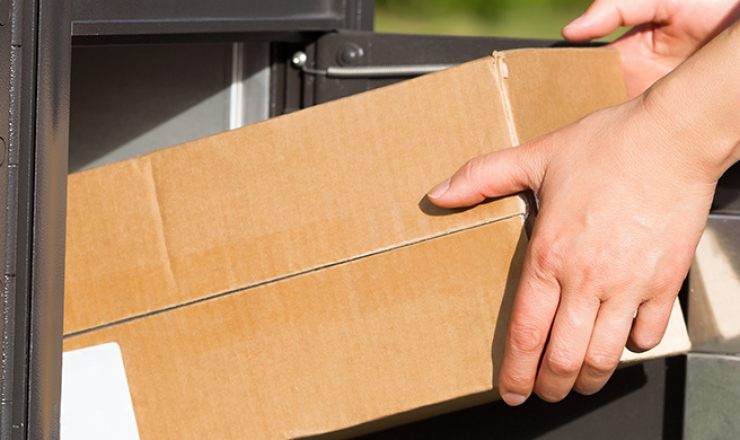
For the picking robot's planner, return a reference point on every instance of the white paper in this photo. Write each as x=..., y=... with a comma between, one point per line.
x=96, y=402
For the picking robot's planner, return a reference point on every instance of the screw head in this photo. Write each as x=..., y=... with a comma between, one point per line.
x=350, y=54
x=299, y=59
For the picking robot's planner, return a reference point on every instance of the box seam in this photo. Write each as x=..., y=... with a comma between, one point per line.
x=296, y=274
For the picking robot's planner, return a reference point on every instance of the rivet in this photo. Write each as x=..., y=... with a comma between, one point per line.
x=350, y=54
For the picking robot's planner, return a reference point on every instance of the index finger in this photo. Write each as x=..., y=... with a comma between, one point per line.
x=532, y=315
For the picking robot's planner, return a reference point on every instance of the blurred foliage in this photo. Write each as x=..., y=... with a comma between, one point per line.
x=501, y=18
x=486, y=9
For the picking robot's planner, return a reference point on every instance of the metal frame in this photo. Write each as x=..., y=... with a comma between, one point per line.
x=186, y=17
x=354, y=49
x=36, y=45
x=36, y=197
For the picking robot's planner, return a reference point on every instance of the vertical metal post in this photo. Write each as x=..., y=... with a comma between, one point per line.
x=33, y=188
x=6, y=258
x=53, y=51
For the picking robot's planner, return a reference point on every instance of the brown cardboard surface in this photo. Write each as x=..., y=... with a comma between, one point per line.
x=278, y=198
x=373, y=337
x=289, y=279
x=577, y=82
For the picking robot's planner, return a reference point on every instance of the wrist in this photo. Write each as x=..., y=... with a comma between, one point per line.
x=694, y=108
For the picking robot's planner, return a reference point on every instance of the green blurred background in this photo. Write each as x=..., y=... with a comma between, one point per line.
x=500, y=18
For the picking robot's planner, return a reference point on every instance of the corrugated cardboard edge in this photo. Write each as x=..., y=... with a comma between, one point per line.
x=500, y=72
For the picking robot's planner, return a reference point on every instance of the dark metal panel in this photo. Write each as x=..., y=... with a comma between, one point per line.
x=360, y=15
x=49, y=217
x=727, y=197
x=7, y=291
x=149, y=17
x=286, y=82
x=217, y=37
x=130, y=100
x=352, y=48
x=17, y=292
x=712, y=397
x=202, y=26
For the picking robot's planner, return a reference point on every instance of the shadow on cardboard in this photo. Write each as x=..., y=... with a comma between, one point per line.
x=429, y=208
x=485, y=416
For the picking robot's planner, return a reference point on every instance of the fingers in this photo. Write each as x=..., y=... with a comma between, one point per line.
x=534, y=308
x=497, y=174
x=612, y=328
x=649, y=325
x=566, y=351
x=585, y=343
x=579, y=321
x=604, y=17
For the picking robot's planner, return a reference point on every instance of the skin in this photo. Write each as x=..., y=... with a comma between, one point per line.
x=665, y=33
x=615, y=234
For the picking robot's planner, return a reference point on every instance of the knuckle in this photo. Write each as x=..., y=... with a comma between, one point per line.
x=666, y=283
x=564, y=364
x=526, y=338
x=519, y=381
x=547, y=256
x=597, y=271
x=475, y=175
x=617, y=284
x=601, y=363
x=473, y=169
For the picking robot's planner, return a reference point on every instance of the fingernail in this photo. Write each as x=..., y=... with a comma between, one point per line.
x=440, y=189
x=512, y=399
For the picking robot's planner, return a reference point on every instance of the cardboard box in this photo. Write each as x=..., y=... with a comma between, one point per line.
x=290, y=279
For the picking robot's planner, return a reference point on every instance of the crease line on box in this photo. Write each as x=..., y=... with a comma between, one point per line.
x=297, y=274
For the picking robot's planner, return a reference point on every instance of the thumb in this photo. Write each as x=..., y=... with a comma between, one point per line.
x=497, y=174
x=604, y=17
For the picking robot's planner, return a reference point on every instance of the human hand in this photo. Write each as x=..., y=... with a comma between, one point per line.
x=620, y=216
x=666, y=32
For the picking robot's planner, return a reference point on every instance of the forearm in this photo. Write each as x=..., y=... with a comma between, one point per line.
x=697, y=108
